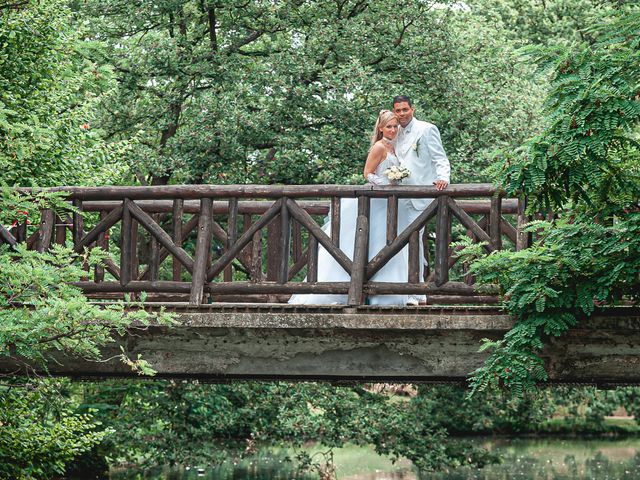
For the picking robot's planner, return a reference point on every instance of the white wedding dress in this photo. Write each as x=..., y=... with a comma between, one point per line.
x=395, y=271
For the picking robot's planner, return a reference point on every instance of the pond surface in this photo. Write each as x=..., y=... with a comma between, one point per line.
x=547, y=459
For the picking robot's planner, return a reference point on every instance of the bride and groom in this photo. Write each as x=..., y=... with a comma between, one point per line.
x=398, y=140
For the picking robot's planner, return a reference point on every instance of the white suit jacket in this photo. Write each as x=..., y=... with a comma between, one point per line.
x=419, y=148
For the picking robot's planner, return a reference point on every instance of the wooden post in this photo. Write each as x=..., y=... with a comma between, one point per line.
x=246, y=224
x=523, y=239
x=469, y=279
x=135, y=262
x=154, y=253
x=103, y=244
x=256, y=257
x=335, y=221
x=126, y=245
x=203, y=245
x=312, y=260
x=61, y=230
x=414, y=257
x=273, y=249
x=494, y=222
x=45, y=231
x=78, y=231
x=426, y=252
x=21, y=231
x=392, y=218
x=285, y=239
x=232, y=235
x=296, y=238
x=360, y=254
x=364, y=205
x=78, y=223
x=443, y=232
x=178, y=210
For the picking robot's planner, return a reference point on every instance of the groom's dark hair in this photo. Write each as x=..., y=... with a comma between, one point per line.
x=402, y=98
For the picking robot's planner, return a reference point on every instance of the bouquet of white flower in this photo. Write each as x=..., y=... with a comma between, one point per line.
x=397, y=173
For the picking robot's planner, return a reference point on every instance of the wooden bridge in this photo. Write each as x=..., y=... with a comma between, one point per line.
x=258, y=243
x=227, y=257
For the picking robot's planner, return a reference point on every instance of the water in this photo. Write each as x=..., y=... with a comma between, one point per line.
x=547, y=459
x=556, y=459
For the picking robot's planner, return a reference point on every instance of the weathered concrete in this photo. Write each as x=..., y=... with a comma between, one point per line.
x=337, y=343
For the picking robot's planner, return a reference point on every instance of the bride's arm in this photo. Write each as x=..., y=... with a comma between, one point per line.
x=376, y=155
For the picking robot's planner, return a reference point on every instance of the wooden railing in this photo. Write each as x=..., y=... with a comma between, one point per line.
x=258, y=243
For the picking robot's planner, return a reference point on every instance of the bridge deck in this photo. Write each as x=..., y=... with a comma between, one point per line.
x=222, y=342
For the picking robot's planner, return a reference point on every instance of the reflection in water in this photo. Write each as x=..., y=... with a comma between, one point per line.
x=550, y=459
x=262, y=466
x=555, y=459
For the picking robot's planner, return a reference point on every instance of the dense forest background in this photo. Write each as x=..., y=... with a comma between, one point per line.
x=201, y=91
x=539, y=96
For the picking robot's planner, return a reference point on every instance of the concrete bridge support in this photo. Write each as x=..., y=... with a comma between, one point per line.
x=269, y=342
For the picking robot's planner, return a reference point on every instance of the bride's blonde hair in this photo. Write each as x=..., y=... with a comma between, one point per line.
x=384, y=117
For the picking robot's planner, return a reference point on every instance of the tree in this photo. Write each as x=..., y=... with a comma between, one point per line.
x=43, y=315
x=287, y=91
x=188, y=423
x=546, y=22
x=40, y=431
x=49, y=90
x=585, y=165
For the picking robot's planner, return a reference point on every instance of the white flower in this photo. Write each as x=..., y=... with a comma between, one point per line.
x=397, y=172
x=414, y=147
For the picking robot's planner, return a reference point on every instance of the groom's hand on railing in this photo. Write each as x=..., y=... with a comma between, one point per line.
x=440, y=184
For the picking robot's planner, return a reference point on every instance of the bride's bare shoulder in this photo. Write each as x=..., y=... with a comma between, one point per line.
x=378, y=148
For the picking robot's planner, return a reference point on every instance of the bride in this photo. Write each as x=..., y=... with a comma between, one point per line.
x=381, y=157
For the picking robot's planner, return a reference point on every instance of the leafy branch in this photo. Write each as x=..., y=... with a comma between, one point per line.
x=573, y=269
x=586, y=166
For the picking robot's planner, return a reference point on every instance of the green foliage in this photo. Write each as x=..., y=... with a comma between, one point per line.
x=42, y=315
x=49, y=91
x=188, y=91
x=585, y=161
x=551, y=409
x=287, y=92
x=27, y=205
x=187, y=423
x=586, y=406
x=630, y=399
x=588, y=151
x=450, y=408
x=41, y=312
x=39, y=431
x=575, y=266
x=550, y=22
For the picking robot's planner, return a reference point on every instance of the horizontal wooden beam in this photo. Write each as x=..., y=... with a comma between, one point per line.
x=258, y=207
x=220, y=207
x=229, y=288
x=159, y=192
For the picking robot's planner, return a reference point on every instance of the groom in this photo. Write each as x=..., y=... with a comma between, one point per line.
x=418, y=148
